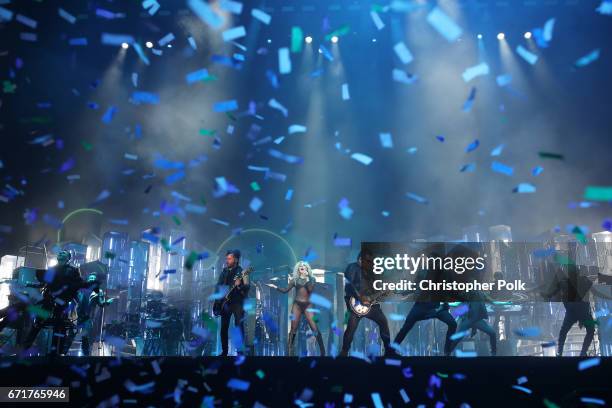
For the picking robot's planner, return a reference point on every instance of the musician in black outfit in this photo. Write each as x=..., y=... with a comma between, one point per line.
x=358, y=283
x=426, y=308
x=230, y=277
x=572, y=289
x=60, y=286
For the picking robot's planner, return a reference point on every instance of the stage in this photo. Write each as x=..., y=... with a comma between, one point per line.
x=319, y=382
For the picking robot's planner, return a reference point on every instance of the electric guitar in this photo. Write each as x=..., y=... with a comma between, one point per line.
x=219, y=304
x=361, y=309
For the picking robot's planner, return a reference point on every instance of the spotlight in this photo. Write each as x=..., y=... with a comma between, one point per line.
x=501, y=36
x=269, y=41
x=149, y=44
x=308, y=39
x=527, y=35
x=373, y=39
x=125, y=46
x=479, y=36
x=334, y=39
x=169, y=45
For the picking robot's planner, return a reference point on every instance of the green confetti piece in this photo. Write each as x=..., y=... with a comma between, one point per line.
x=595, y=193
x=86, y=145
x=442, y=375
x=563, y=260
x=209, y=78
x=109, y=255
x=39, y=311
x=343, y=30
x=255, y=186
x=191, y=260
x=230, y=116
x=40, y=120
x=579, y=235
x=165, y=244
x=203, y=200
x=260, y=374
x=176, y=220
x=548, y=155
x=209, y=322
x=8, y=87
x=591, y=323
x=377, y=8
x=296, y=39
x=550, y=404
x=207, y=132
x=337, y=389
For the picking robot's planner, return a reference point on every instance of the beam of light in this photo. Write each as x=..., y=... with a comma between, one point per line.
x=72, y=214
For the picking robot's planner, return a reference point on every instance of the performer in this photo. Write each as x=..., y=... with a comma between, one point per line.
x=358, y=283
x=573, y=289
x=425, y=310
x=303, y=281
x=230, y=277
x=60, y=287
x=88, y=299
x=476, y=319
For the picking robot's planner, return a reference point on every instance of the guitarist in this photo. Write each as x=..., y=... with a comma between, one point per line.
x=358, y=283
x=230, y=277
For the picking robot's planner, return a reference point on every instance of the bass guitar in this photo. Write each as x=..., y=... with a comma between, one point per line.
x=219, y=304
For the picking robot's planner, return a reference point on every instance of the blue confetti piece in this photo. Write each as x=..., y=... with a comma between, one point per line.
x=238, y=385
x=233, y=33
x=524, y=188
x=444, y=25
x=81, y=41
x=362, y=158
x=403, y=53
x=342, y=242
x=440, y=138
x=285, y=157
x=467, y=106
x=225, y=106
x=468, y=168
x=141, y=53
x=377, y=400
x=255, y=204
x=110, y=113
x=173, y=178
x=289, y=195
x=527, y=332
x=537, y=171
x=205, y=13
x=502, y=168
x=165, y=40
x=588, y=59
x=116, y=39
x=284, y=61
x=327, y=54
x=320, y=301
x=588, y=363
x=196, y=76
x=525, y=390
x=527, y=55
x=596, y=401
x=386, y=140
x=472, y=146
x=417, y=198
x=150, y=98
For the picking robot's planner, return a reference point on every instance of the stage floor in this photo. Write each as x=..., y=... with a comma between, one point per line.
x=317, y=382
